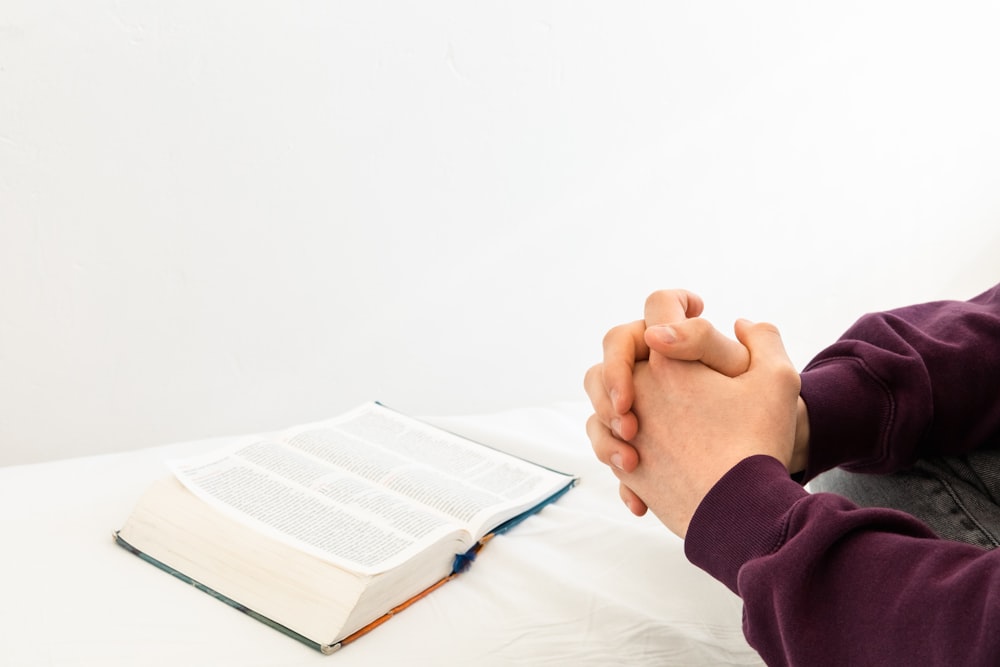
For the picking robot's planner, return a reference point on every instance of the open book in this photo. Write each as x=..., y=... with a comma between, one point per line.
x=326, y=530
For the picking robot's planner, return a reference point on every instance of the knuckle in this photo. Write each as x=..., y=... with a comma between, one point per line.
x=598, y=435
x=593, y=426
x=700, y=327
x=787, y=377
x=613, y=335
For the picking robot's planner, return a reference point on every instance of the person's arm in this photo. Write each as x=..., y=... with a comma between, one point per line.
x=905, y=384
x=823, y=582
x=826, y=583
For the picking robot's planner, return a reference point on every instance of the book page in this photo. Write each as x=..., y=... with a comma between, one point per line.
x=443, y=471
x=367, y=491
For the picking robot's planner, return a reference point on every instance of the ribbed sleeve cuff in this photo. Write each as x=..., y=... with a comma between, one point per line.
x=741, y=518
x=849, y=411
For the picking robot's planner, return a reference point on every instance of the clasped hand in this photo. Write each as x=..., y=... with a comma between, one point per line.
x=677, y=404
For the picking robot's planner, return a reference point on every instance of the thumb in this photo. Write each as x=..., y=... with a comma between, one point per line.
x=696, y=339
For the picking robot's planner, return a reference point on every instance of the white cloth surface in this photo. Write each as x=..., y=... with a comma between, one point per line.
x=582, y=583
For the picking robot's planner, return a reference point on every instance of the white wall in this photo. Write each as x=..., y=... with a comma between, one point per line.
x=222, y=217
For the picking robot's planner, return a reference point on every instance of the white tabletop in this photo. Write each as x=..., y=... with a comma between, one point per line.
x=582, y=583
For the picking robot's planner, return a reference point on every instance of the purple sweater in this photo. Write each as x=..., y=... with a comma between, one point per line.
x=824, y=582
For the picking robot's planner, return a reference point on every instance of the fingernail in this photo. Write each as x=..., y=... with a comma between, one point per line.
x=665, y=333
x=616, y=426
x=616, y=461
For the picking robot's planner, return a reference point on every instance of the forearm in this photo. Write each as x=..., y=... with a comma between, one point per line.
x=824, y=582
x=904, y=384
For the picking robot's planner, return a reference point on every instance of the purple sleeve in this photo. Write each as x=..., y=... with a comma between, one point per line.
x=824, y=582
x=905, y=384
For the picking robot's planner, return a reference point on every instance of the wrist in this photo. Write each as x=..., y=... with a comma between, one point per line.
x=800, y=452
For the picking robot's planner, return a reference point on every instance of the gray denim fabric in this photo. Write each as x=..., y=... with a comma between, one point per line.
x=957, y=496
